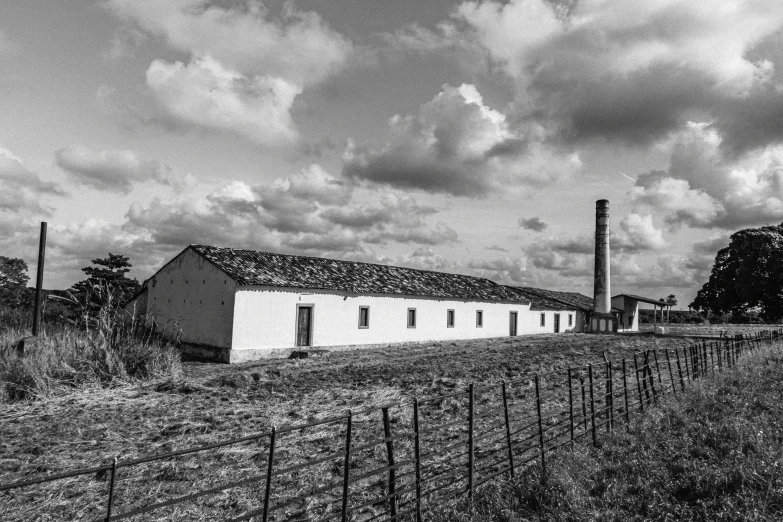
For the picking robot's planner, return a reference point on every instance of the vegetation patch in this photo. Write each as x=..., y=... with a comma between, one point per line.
x=713, y=453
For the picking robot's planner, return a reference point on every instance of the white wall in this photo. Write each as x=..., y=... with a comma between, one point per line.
x=198, y=296
x=265, y=318
x=630, y=308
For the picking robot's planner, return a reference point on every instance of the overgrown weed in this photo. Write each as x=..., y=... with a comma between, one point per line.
x=101, y=344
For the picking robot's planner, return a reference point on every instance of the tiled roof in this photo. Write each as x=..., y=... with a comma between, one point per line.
x=541, y=302
x=248, y=267
x=572, y=300
x=643, y=299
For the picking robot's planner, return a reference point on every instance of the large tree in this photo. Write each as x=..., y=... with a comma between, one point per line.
x=13, y=281
x=747, y=275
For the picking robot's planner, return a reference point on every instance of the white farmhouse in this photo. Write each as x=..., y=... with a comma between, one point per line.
x=240, y=305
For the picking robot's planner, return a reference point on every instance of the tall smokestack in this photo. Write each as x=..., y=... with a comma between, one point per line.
x=602, y=310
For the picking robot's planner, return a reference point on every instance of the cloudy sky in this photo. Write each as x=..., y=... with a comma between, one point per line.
x=471, y=137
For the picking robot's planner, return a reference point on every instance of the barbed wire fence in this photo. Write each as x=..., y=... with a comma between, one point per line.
x=395, y=462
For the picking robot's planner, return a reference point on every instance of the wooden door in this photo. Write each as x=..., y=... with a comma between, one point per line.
x=304, y=325
x=512, y=324
x=557, y=323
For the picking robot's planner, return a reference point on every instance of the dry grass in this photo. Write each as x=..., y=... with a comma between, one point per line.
x=212, y=403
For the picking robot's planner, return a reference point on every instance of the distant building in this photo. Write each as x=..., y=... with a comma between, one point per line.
x=239, y=305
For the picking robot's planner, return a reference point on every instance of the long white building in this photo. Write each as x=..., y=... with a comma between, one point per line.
x=239, y=305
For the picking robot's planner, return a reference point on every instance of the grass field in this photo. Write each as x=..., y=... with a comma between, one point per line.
x=714, y=453
x=215, y=402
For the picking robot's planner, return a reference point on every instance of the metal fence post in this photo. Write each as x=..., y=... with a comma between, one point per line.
x=387, y=434
x=268, y=486
x=471, y=443
x=508, y=431
x=592, y=403
x=540, y=429
x=417, y=456
x=688, y=372
x=347, y=468
x=111, y=489
x=570, y=405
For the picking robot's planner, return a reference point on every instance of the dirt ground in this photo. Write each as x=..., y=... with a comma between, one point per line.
x=215, y=402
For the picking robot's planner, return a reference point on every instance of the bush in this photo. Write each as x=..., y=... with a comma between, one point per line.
x=101, y=346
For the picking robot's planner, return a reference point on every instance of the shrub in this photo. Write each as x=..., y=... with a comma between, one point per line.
x=98, y=346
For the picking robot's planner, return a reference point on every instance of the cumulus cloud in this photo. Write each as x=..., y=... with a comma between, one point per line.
x=244, y=36
x=21, y=190
x=205, y=94
x=535, y=224
x=310, y=211
x=704, y=186
x=246, y=65
x=637, y=233
x=458, y=145
x=115, y=170
x=626, y=70
x=505, y=270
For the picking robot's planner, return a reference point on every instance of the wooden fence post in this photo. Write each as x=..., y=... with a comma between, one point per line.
x=679, y=369
x=570, y=405
x=638, y=382
x=625, y=394
x=269, y=465
x=508, y=431
x=584, y=401
x=417, y=456
x=650, y=375
x=671, y=373
x=592, y=404
x=112, y=479
x=387, y=434
x=471, y=444
x=540, y=430
x=347, y=468
x=688, y=375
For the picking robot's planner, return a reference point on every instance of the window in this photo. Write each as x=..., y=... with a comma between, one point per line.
x=570, y=319
x=543, y=319
x=411, y=318
x=449, y=318
x=364, y=317
x=479, y=318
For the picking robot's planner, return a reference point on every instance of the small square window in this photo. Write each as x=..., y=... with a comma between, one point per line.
x=479, y=318
x=570, y=319
x=364, y=317
x=450, y=318
x=543, y=319
x=411, y=318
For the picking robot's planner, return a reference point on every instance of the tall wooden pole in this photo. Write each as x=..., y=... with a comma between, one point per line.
x=39, y=280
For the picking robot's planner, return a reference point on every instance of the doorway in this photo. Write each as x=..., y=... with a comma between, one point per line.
x=304, y=325
x=557, y=323
x=512, y=324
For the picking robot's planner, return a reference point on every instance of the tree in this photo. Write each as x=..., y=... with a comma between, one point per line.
x=107, y=282
x=671, y=300
x=747, y=276
x=13, y=282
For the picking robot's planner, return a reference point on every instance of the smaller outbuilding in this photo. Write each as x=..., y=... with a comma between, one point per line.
x=626, y=309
